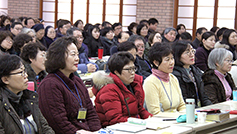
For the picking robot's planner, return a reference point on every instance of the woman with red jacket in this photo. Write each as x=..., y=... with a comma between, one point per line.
x=119, y=95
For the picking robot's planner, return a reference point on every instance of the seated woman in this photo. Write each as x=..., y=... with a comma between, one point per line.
x=169, y=35
x=6, y=41
x=189, y=76
x=207, y=44
x=19, y=111
x=119, y=95
x=19, y=41
x=49, y=35
x=218, y=83
x=162, y=91
x=63, y=97
x=153, y=38
x=106, y=38
x=33, y=55
x=39, y=30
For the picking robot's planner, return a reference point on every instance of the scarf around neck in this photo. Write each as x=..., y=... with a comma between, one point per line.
x=162, y=75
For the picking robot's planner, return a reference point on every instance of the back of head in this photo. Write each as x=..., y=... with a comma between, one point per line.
x=20, y=40
x=158, y=51
x=214, y=29
x=220, y=32
x=56, y=53
x=186, y=36
x=8, y=63
x=105, y=23
x=30, y=51
x=118, y=60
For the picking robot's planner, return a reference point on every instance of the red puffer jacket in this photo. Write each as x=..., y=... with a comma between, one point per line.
x=111, y=94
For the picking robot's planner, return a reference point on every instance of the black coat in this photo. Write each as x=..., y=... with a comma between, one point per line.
x=93, y=45
x=187, y=85
x=106, y=43
x=214, y=88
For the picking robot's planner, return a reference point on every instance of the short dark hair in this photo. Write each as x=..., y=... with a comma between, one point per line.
x=199, y=30
x=133, y=38
x=120, y=34
x=119, y=60
x=16, y=23
x=20, y=40
x=126, y=46
x=179, y=26
x=131, y=26
x=56, y=53
x=214, y=28
x=143, y=21
x=206, y=35
x=186, y=36
x=77, y=22
x=105, y=30
x=4, y=35
x=226, y=35
x=30, y=51
x=178, y=48
x=153, y=21
x=8, y=63
x=29, y=18
x=104, y=23
x=3, y=19
x=220, y=32
x=139, y=28
x=71, y=30
x=61, y=23
x=158, y=51
x=116, y=24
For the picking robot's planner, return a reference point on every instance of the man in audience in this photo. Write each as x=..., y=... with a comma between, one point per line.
x=153, y=25
x=84, y=64
x=63, y=26
x=29, y=22
x=197, y=41
x=106, y=24
x=117, y=27
x=16, y=28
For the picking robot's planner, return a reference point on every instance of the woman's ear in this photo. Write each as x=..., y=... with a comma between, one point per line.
x=5, y=80
x=156, y=63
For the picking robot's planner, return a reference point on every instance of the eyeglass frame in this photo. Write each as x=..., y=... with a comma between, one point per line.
x=23, y=73
x=131, y=69
x=193, y=51
x=229, y=61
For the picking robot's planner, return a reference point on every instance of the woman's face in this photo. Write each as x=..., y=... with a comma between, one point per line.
x=140, y=47
x=167, y=64
x=7, y=43
x=134, y=30
x=110, y=35
x=128, y=73
x=209, y=43
x=188, y=56
x=72, y=59
x=38, y=63
x=6, y=22
x=17, y=80
x=226, y=67
x=40, y=34
x=233, y=38
x=170, y=36
x=33, y=36
x=181, y=30
x=80, y=25
x=144, y=31
x=95, y=33
x=51, y=33
x=133, y=52
x=157, y=38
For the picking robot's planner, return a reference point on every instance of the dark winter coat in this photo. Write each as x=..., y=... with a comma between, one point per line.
x=201, y=58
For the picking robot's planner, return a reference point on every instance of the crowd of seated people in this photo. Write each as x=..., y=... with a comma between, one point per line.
x=150, y=72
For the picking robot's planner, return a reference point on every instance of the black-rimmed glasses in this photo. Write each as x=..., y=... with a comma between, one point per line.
x=23, y=73
x=131, y=69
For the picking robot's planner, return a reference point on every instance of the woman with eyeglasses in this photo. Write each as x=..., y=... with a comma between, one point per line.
x=218, y=83
x=119, y=95
x=162, y=91
x=34, y=56
x=189, y=76
x=19, y=111
x=6, y=43
x=207, y=44
x=63, y=97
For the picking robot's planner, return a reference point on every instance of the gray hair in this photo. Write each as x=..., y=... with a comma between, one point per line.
x=71, y=30
x=218, y=55
x=27, y=30
x=167, y=30
x=133, y=38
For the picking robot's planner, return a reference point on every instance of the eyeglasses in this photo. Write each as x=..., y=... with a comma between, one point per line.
x=80, y=37
x=18, y=29
x=131, y=69
x=193, y=51
x=229, y=61
x=9, y=40
x=23, y=73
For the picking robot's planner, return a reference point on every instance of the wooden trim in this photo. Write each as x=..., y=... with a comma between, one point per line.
x=104, y=10
x=235, y=15
x=87, y=10
x=195, y=19
x=215, y=12
x=121, y=12
x=56, y=13
x=175, y=15
x=41, y=9
x=71, y=19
